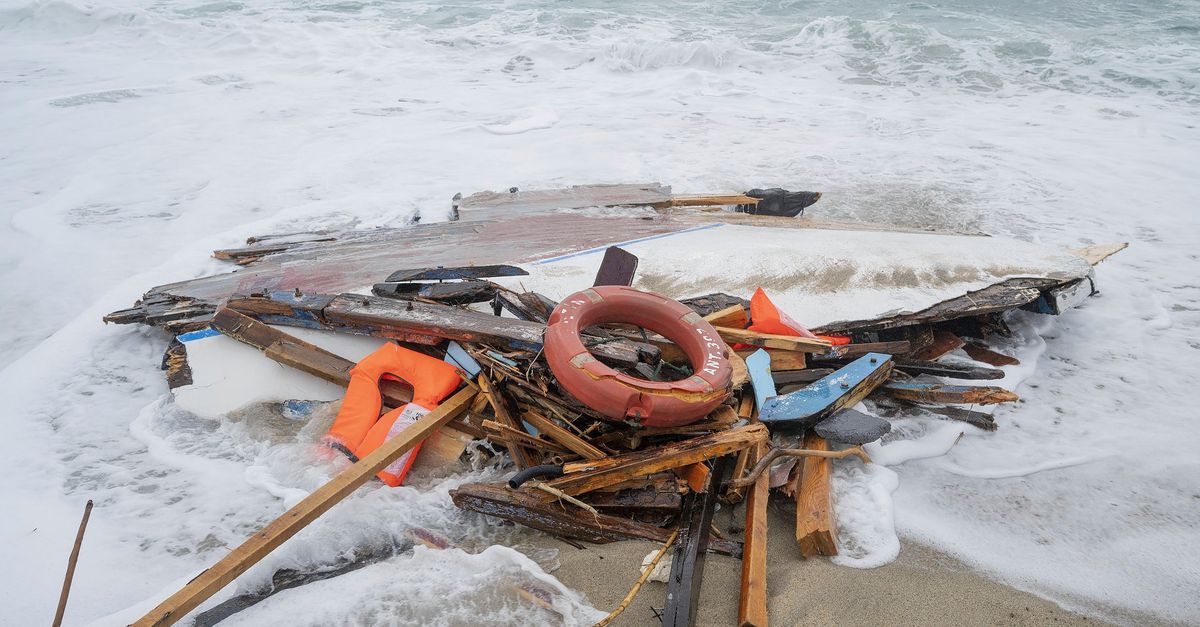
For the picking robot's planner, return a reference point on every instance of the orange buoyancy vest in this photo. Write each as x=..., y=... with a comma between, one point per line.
x=765, y=317
x=359, y=429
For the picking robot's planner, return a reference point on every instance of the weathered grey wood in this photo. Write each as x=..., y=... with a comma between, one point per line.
x=687, y=566
x=617, y=267
x=1009, y=294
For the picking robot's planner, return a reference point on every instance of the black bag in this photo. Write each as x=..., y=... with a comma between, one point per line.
x=779, y=202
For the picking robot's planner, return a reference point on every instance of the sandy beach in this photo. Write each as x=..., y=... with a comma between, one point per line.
x=922, y=587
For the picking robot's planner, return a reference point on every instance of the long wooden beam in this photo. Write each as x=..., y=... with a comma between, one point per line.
x=752, y=607
x=687, y=565
x=292, y=521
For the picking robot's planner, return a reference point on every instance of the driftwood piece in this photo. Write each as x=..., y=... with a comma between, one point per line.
x=643, y=498
x=953, y=371
x=816, y=532
x=458, y=293
x=298, y=517
x=794, y=377
x=581, y=477
x=979, y=352
x=687, y=565
x=72, y=560
x=805, y=407
x=943, y=342
x=1008, y=294
x=858, y=349
x=937, y=393
x=752, y=604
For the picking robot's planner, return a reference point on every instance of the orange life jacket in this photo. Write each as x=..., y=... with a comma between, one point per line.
x=765, y=317
x=359, y=429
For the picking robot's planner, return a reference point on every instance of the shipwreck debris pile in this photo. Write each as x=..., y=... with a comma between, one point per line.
x=626, y=414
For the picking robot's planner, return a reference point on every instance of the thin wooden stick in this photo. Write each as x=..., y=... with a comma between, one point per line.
x=66, y=589
x=641, y=580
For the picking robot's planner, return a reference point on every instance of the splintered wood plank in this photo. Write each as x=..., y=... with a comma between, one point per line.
x=849, y=385
x=979, y=352
x=569, y=440
x=752, y=606
x=771, y=340
x=581, y=477
x=815, y=526
x=520, y=455
x=936, y=393
x=259, y=545
x=733, y=316
x=943, y=342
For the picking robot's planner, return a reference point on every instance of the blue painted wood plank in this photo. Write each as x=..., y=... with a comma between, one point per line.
x=805, y=407
x=759, y=367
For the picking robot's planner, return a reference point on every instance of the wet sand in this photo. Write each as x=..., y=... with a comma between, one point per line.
x=923, y=586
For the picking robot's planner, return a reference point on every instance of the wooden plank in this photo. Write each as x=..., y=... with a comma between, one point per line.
x=849, y=385
x=979, y=352
x=708, y=200
x=617, y=267
x=504, y=432
x=733, y=316
x=771, y=340
x=780, y=360
x=859, y=349
x=458, y=293
x=936, y=393
x=580, y=477
x=291, y=522
x=1095, y=254
x=641, y=498
x=815, y=526
x=740, y=375
x=1005, y=295
x=687, y=565
x=564, y=437
x=752, y=606
x=943, y=342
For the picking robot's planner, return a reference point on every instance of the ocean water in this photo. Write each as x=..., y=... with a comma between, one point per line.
x=135, y=137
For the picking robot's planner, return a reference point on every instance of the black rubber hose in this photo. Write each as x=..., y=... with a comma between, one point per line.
x=533, y=472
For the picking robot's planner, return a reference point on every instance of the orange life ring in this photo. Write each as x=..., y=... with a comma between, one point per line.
x=359, y=429
x=620, y=396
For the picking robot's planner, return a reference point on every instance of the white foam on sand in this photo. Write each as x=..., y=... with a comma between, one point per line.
x=137, y=137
